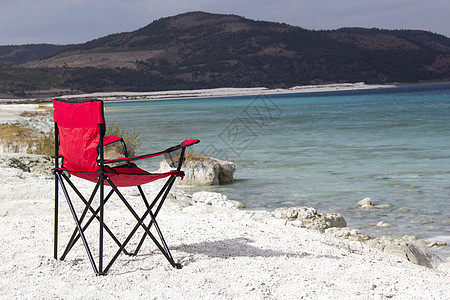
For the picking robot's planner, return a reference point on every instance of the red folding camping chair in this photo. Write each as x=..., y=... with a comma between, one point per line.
x=79, y=147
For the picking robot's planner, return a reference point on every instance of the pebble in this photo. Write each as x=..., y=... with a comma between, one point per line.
x=366, y=203
x=383, y=205
x=436, y=244
x=383, y=225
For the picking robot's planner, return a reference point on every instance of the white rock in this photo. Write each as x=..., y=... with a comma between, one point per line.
x=366, y=203
x=385, y=205
x=306, y=212
x=310, y=218
x=31, y=163
x=296, y=223
x=436, y=244
x=383, y=225
x=216, y=199
x=203, y=170
x=289, y=213
x=408, y=247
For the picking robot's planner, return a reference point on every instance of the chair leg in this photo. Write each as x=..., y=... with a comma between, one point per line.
x=96, y=214
x=101, y=179
x=74, y=215
x=55, y=171
x=162, y=193
x=55, y=236
x=164, y=249
x=75, y=235
x=74, y=238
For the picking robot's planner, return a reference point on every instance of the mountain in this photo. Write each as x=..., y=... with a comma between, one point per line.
x=203, y=50
x=24, y=53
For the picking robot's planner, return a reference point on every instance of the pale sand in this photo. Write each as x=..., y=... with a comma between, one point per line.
x=225, y=92
x=216, y=92
x=11, y=113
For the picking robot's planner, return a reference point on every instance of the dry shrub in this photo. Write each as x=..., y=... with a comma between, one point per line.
x=10, y=133
x=189, y=156
x=42, y=110
x=36, y=143
x=17, y=139
x=44, y=145
x=33, y=113
x=132, y=140
x=46, y=106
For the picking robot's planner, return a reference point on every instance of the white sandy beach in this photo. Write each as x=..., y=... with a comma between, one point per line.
x=226, y=253
x=225, y=92
x=215, y=92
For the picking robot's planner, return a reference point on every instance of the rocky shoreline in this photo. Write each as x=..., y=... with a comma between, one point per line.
x=407, y=247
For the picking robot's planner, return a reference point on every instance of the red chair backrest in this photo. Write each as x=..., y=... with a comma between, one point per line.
x=79, y=133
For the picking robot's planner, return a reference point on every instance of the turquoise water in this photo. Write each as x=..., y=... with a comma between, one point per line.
x=325, y=150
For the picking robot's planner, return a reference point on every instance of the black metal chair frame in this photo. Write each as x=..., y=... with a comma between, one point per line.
x=152, y=211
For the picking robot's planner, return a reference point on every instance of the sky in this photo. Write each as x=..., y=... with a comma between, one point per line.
x=78, y=21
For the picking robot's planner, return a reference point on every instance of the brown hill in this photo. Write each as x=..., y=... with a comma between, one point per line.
x=203, y=50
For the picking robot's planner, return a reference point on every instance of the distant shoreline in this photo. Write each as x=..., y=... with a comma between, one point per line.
x=221, y=92
x=205, y=93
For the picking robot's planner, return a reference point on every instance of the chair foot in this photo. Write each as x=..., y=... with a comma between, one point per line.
x=178, y=266
x=129, y=253
x=101, y=274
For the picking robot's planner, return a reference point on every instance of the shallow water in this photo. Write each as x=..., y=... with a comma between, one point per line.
x=326, y=150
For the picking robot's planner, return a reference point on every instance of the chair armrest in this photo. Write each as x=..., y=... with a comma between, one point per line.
x=111, y=139
x=186, y=143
